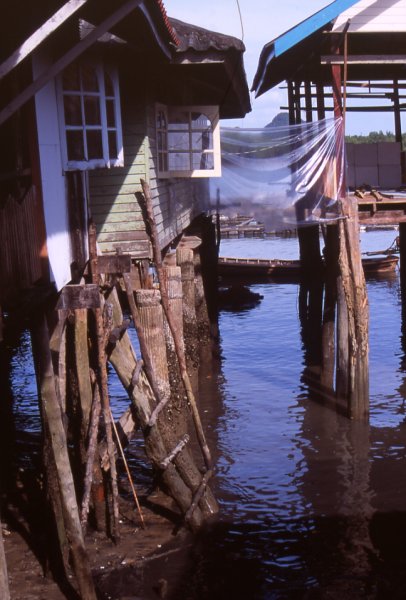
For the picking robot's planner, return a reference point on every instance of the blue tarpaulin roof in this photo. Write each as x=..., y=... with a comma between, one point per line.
x=296, y=35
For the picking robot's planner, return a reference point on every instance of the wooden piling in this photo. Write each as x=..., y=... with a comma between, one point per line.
x=52, y=415
x=402, y=255
x=185, y=260
x=87, y=404
x=202, y=313
x=173, y=282
x=181, y=477
x=329, y=309
x=152, y=324
x=179, y=351
x=209, y=270
x=103, y=382
x=4, y=587
x=357, y=312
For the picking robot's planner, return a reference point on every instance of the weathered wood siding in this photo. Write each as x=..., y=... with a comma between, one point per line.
x=20, y=248
x=176, y=201
x=374, y=16
x=113, y=193
x=113, y=201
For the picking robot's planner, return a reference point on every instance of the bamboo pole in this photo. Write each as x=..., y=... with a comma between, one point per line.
x=53, y=418
x=130, y=479
x=178, y=347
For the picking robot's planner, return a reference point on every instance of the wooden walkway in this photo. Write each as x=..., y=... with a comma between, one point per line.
x=388, y=211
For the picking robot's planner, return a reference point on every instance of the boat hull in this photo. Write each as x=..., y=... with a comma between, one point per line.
x=276, y=269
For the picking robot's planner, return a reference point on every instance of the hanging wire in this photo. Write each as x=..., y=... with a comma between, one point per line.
x=241, y=21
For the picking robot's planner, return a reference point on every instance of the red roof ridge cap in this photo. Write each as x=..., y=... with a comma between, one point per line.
x=169, y=27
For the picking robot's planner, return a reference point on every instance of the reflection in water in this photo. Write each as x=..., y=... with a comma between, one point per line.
x=308, y=497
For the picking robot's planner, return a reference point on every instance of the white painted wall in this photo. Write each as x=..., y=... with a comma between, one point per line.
x=54, y=191
x=374, y=16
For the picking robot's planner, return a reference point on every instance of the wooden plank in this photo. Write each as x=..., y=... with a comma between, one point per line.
x=128, y=176
x=126, y=236
x=129, y=207
x=79, y=296
x=114, y=190
x=141, y=249
x=112, y=227
x=118, y=263
x=110, y=199
x=364, y=59
x=51, y=25
x=116, y=217
x=68, y=58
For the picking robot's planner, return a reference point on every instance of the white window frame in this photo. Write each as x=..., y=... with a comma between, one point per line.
x=105, y=160
x=212, y=113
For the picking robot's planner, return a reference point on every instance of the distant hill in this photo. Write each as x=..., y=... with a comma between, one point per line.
x=280, y=120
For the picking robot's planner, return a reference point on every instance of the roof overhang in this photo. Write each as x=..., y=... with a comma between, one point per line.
x=281, y=55
x=207, y=68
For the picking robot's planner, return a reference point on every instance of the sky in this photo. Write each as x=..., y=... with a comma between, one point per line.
x=263, y=20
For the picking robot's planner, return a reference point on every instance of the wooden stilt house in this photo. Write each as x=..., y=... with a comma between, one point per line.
x=95, y=97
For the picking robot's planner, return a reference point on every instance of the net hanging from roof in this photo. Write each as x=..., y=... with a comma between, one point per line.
x=290, y=175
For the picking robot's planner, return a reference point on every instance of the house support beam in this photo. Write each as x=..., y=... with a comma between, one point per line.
x=41, y=34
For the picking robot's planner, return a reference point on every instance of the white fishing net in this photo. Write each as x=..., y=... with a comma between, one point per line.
x=290, y=175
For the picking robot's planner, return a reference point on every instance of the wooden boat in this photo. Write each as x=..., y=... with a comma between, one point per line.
x=261, y=268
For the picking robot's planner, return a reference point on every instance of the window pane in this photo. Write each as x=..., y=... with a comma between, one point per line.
x=108, y=84
x=178, y=121
x=73, y=111
x=203, y=160
x=89, y=78
x=94, y=144
x=178, y=141
x=70, y=78
x=111, y=114
x=92, y=110
x=179, y=162
x=112, y=144
x=202, y=140
x=74, y=142
x=200, y=121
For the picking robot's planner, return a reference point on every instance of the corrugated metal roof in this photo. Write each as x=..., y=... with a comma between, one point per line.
x=296, y=35
x=301, y=31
